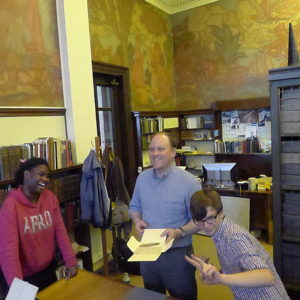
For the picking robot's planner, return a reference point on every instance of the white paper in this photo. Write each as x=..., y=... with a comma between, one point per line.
x=264, y=131
x=151, y=253
x=250, y=131
x=21, y=290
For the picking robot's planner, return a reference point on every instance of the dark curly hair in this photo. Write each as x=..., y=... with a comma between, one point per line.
x=28, y=165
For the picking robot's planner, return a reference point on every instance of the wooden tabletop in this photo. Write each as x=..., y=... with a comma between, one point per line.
x=89, y=286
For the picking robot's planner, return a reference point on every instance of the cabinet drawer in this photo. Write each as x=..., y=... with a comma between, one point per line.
x=290, y=116
x=292, y=198
x=290, y=169
x=290, y=158
x=290, y=180
x=290, y=128
x=291, y=263
x=291, y=209
x=290, y=104
x=291, y=226
x=290, y=146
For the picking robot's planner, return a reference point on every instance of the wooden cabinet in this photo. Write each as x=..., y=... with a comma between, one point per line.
x=285, y=105
x=248, y=164
x=260, y=210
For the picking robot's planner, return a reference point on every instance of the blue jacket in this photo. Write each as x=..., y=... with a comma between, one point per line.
x=95, y=202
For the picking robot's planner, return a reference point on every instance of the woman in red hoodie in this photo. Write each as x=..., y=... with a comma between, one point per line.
x=31, y=227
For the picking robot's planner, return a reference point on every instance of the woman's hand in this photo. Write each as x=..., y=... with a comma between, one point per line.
x=70, y=271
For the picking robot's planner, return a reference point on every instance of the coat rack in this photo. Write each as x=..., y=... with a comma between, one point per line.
x=103, y=231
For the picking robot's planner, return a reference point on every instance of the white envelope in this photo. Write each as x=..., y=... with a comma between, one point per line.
x=150, y=247
x=21, y=290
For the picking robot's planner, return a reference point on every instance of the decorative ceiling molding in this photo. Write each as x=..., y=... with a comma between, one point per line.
x=176, y=6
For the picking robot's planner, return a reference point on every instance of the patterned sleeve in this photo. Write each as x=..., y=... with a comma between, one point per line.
x=248, y=256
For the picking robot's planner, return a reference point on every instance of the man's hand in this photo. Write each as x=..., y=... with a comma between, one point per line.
x=208, y=272
x=140, y=226
x=172, y=233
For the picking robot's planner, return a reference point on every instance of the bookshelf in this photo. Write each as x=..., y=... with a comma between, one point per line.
x=197, y=135
x=65, y=183
x=199, y=132
x=147, y=124
x=56, y=151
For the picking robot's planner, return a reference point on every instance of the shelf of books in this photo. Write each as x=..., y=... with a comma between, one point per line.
x=149, y=123
x=197, y=137
x=245, y=131
x=57, y=152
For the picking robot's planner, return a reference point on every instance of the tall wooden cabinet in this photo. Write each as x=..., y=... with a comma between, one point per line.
x=285, y=105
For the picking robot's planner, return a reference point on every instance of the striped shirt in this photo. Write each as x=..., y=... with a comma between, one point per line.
x=239, y=251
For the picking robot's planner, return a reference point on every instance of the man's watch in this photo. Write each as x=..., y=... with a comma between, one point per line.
x=183, y=233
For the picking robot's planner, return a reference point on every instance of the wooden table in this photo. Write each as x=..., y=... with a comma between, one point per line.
x=89, y=286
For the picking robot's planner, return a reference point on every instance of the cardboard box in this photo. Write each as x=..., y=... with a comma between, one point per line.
x=150, y=247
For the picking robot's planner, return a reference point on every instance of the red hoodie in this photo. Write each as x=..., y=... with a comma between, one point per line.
x=29, y=233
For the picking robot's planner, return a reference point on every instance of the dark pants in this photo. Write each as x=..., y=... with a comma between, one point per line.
x=173, y=273
x=41, y=279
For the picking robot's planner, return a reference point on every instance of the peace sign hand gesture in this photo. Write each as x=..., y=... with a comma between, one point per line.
x=208, y=273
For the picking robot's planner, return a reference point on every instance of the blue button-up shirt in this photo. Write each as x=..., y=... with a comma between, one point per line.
x=164, y=202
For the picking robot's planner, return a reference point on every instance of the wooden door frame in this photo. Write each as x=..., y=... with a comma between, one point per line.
x=127, y=150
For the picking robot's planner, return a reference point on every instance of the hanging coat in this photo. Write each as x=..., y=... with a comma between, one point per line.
x=95, y=202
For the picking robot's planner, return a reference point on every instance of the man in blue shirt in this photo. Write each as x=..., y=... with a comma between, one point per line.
x=161, y=200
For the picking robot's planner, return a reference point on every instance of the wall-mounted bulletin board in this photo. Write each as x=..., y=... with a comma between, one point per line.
x=241, y=128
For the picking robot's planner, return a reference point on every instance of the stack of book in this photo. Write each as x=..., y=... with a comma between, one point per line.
x=57, y=152
x=246, y=146
x=151, y=125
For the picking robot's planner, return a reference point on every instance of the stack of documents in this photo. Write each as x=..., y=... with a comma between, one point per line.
x=150, y=247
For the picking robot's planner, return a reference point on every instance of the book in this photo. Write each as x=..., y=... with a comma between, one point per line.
x=14, y=156
x=4, y=163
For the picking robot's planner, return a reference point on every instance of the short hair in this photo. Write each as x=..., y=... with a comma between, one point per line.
x=172, y=139
x=203, y=199
x=27, y=165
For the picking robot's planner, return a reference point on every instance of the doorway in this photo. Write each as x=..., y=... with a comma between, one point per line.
x=113, y=114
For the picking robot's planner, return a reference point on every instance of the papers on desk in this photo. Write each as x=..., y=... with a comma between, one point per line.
x=21, y=290
x=150, y=247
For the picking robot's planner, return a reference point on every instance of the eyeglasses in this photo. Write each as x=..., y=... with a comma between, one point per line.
x=208, y=220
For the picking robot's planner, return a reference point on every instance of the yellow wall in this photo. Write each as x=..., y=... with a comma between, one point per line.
x=78, y=86
x=77, y=73
x=20, y=130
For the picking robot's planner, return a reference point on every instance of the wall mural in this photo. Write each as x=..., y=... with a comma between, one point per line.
x=30, y=73
x=135, y=34
x=223, y=51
